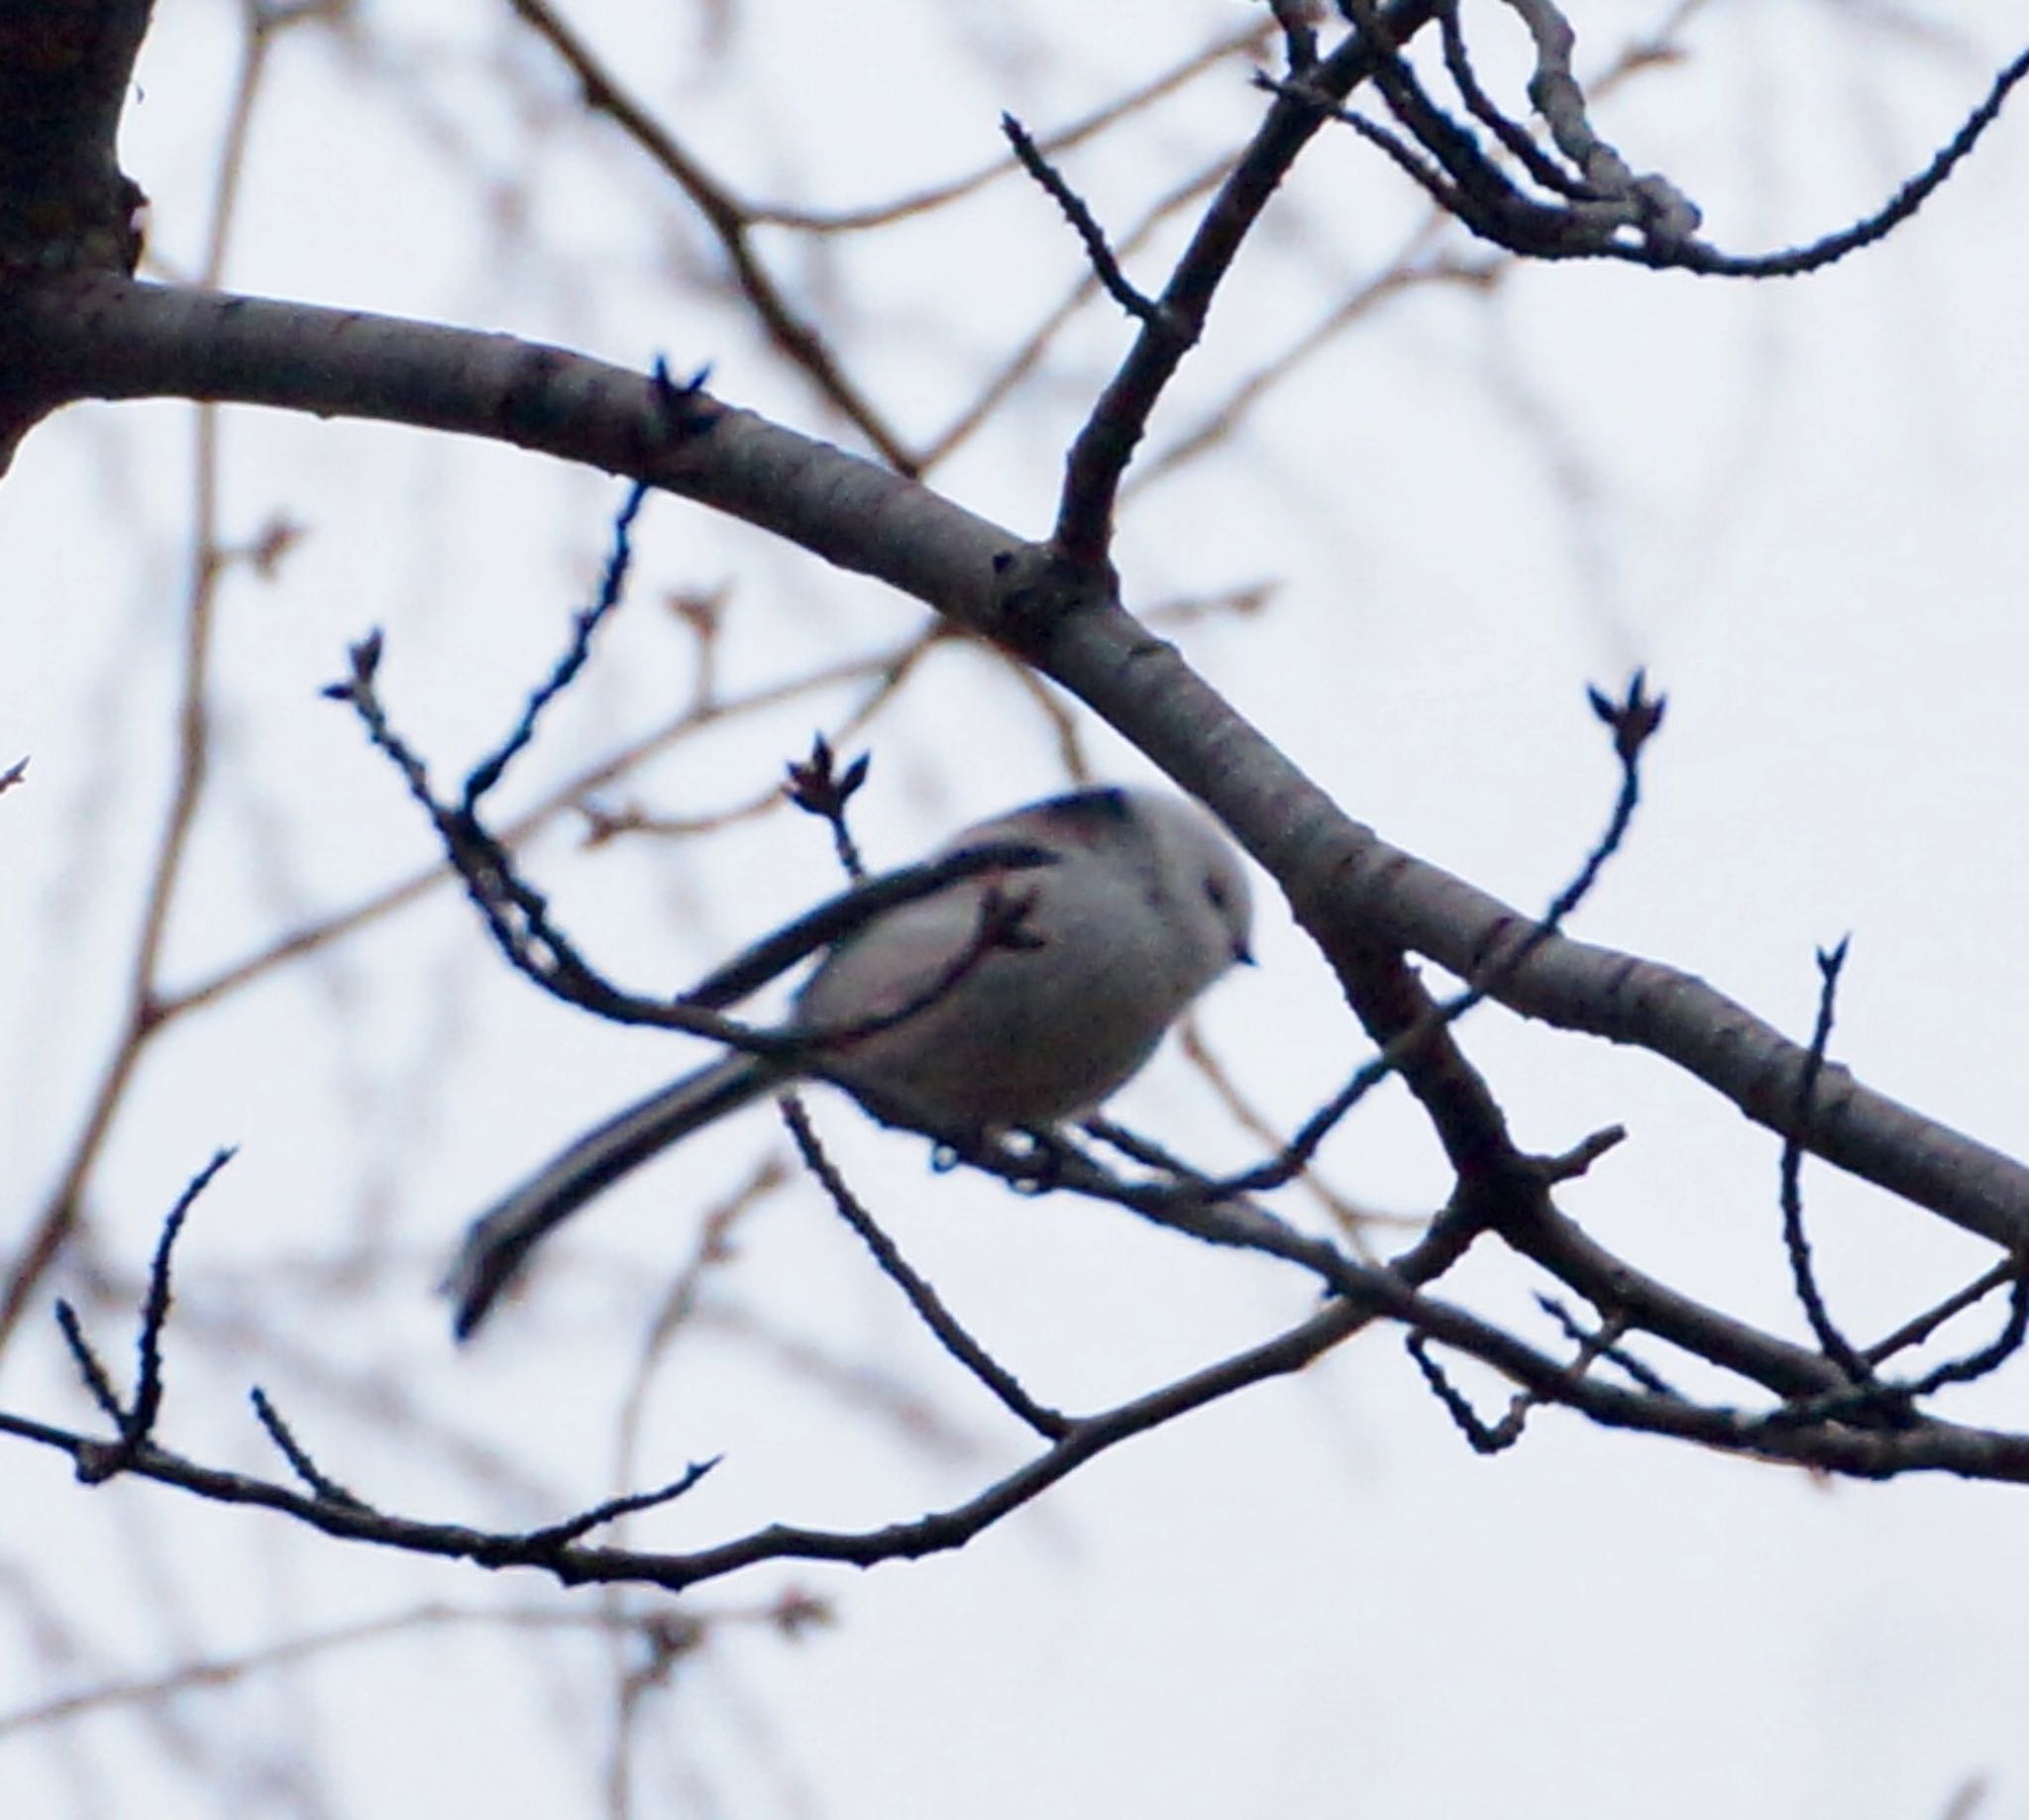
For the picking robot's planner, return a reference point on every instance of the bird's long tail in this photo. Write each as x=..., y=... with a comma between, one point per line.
x=499, y=1238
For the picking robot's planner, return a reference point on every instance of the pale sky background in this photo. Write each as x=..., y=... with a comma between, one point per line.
x=1800, y=504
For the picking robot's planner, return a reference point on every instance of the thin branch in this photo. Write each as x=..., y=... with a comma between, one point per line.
x=888, y=671
x=1464, y=1417
x=573, y=1529
x=1634, y=721
x=136, y=1422
x=1611, y=1350
x=1919, y=1327
x=1105, y=266
x=154, y=1308
x=1837, y=1348
x=488, y=772
x=1248, y=39
x=1028, y=353
x=1119, y=417
x=98, y=1381
x=1610, y=212
x=1519, y=143
x=1989, y=1358
x=322, y=1486
x=1483, y=272
x=221, y=1671
x=930, y=1307
x=732, y=222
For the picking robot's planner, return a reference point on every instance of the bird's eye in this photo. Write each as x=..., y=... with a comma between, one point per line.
x=1216, y=892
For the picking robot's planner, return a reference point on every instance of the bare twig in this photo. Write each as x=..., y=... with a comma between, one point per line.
x=1606, y=211
x=928, y=1305
x=1634, y=721
x=1118, y=421
x=320, y=1483
x=488, y=772
x=136, y=1421
x=799, y=338
x=1105, y=266
x=1837, y=1348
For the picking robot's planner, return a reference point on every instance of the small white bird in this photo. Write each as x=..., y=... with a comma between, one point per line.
x=1143, y=905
